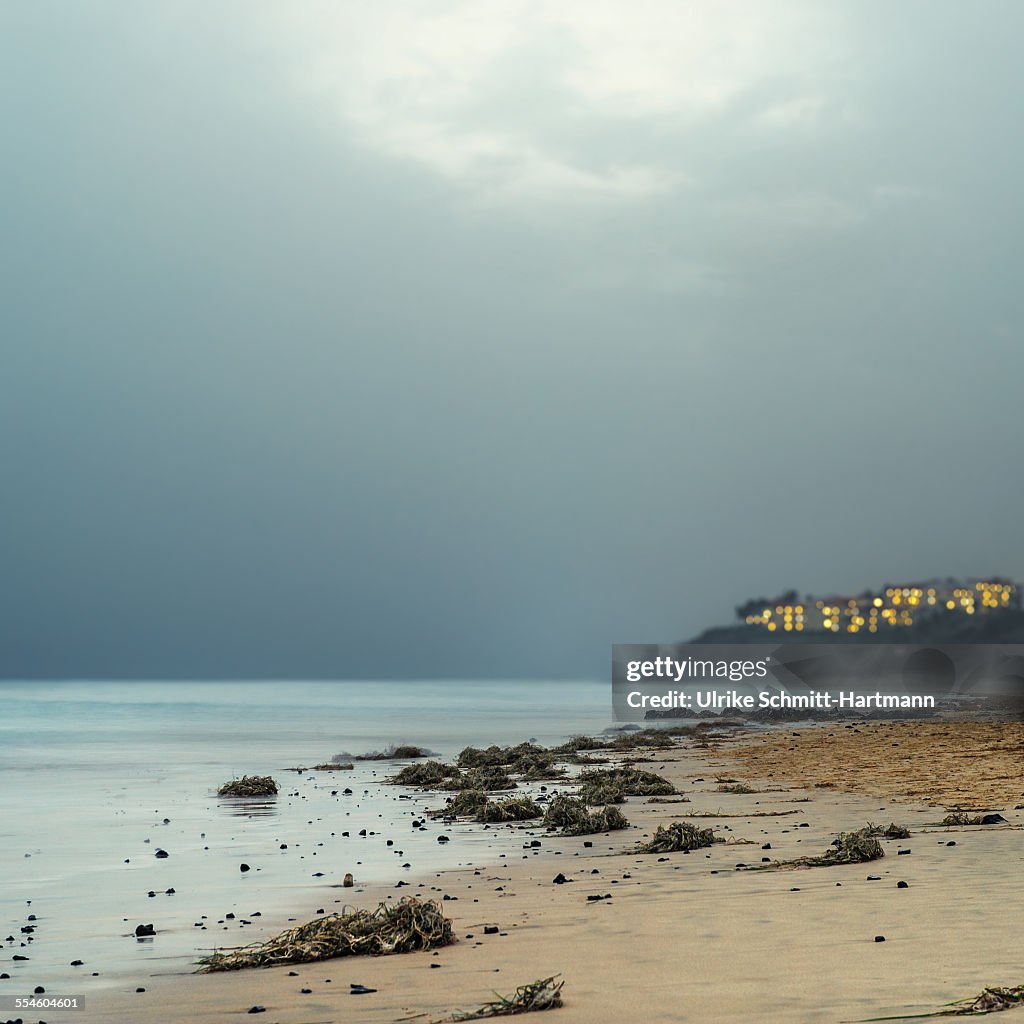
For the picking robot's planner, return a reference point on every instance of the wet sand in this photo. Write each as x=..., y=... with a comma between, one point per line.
x=691, y=937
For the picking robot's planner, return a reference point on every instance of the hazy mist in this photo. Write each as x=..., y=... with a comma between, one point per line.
x=349, y=340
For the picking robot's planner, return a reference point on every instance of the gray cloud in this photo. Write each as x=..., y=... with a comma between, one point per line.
x=349, y=343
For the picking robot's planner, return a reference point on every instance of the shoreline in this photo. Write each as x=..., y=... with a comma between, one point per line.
x=684, y=937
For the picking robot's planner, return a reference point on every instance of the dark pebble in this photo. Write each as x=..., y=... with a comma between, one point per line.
x=244, y=867
x=879, y=938
x=902, y=885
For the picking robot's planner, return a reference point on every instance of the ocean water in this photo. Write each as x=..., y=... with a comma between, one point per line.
x=96, y=777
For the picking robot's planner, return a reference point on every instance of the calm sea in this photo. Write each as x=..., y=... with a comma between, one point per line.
x=96, y=777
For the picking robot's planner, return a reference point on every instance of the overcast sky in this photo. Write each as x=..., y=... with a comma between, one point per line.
x=467, y=338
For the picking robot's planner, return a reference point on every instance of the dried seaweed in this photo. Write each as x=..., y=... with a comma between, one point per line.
x=427, y=774
x=395, y=752
x=467, y=802
x=596, y=794
x=679, y=835
x=631, y=781
x=497, y=811
x=890, y=831
x=487, y=777
x=847, y=848
x=574, y=819
x=545, y=994
x=249, y=785
x=989, y=1000
x=401, y=927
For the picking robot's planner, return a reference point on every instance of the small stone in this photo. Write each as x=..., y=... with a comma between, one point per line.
x=243, y=868
x=879, y=938
x=902, y=885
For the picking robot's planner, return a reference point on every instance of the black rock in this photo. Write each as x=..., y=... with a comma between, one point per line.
x=162, y=855
x=902, y=885
x=38, y=990
x=992, y=819
x=244, y=867
x=256, y=1009
x=559, y=879
x=902, y=853
x=360, y=990
x=879, y=938
x=490, y=929
x=140, y=990
x=77, y=963
x=144, y=929
x=443, y=839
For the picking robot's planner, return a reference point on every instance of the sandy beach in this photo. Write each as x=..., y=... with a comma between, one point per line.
x=694, y=937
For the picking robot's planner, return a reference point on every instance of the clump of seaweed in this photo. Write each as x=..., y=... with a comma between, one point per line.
x=394, y=752
x=959, y=818
x=249, y=785
x=602, y=793
x=574, y=819
x=497, y=811
x=890, y=831
x=632, y=781
x=465, y=803
x=655, y=738
x=989, y=1000
x=735, y=787
x=848, y=848
x=428, y=774
x=401, y=927
x=576, y=744
x=680, y=835
x=487, y=777
x=545, y=994
x=475, y=757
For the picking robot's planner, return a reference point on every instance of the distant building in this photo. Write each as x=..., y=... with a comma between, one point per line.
x=895, y=605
